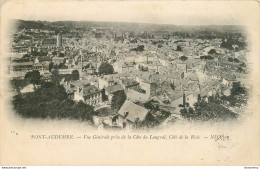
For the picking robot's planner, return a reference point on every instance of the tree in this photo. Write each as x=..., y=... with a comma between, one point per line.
x=17, y=84
x=240, y=69
x=118, y=99
x=212, y=51
x=75, y=75
x=106, y=68
x=206, y=57
x=159, y=46
x=230, y=59
x=33, y=77
x=211, y=111
x=55, y=77
x=179, y=48
x=140, y=48
x=83, y=111
x=242, y=64
x=237, y=89
x=187, y=113
x=236, y=60
x=183, y=58
x=104, y=96
x=238, y=95
x=51, y=65
x=50, y=100
x=61, y=55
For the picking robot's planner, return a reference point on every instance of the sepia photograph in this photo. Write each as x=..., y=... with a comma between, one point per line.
x=107, y=77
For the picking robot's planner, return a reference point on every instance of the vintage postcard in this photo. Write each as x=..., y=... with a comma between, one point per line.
x=129, y=83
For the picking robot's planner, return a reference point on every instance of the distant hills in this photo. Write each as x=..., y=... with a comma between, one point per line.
x=21, y=24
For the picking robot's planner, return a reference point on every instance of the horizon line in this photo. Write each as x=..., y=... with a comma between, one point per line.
x=168, y=24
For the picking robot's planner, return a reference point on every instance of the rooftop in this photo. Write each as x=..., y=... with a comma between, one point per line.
x=134, y=111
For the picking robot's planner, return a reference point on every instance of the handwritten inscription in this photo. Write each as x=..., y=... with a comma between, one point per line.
x=221, y=137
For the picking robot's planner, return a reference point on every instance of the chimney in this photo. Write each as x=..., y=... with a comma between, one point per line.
x=79, y=89
x=126, y=114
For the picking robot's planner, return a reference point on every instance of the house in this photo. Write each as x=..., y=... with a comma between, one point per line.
x=48, y=42
x=41, y=67
x=105, y=82
x=90, y=94
x=147, y=86
x=58, y=60
x=227, y=79
x=127, y=68
x=40, y=59
x=20, y=68
x=136, y=96
x=182, y=67
x=130, y=114
x=111, y=90
x=128, y=83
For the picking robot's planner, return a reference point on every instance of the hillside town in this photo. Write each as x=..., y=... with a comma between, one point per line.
x=126, y=77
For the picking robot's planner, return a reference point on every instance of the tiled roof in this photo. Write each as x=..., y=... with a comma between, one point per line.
x=134, y=111
x=90, y=90
x=129, y=82
x=113, y=89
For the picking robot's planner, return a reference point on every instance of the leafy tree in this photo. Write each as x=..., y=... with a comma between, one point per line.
x=118, y=99
x=75, y=75
x=240, y=69
x=154, y=43
x=187, y=113
x=206, y=57
x=179, y=48
x=237, y=89
x=33, y=77
x=230, y=59
x=106, y=68
x=183, y=58
x=18, y=83
x=211, y=111
x=230, y=42
x=233, y=60
x=236, y=60
x=242, y=64
x=51, y=100
x=212, y=51
x=139, y=48
x=238, y=95
x=62, y=66
x=54, y=53
x=55, y=77
x=61, y=55
x=159, y=46
x=51, y=65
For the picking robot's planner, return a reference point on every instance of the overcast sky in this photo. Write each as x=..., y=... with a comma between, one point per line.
x=160, y=12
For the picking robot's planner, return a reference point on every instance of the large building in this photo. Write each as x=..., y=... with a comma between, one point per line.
x=46, y=42
x=90, y=94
